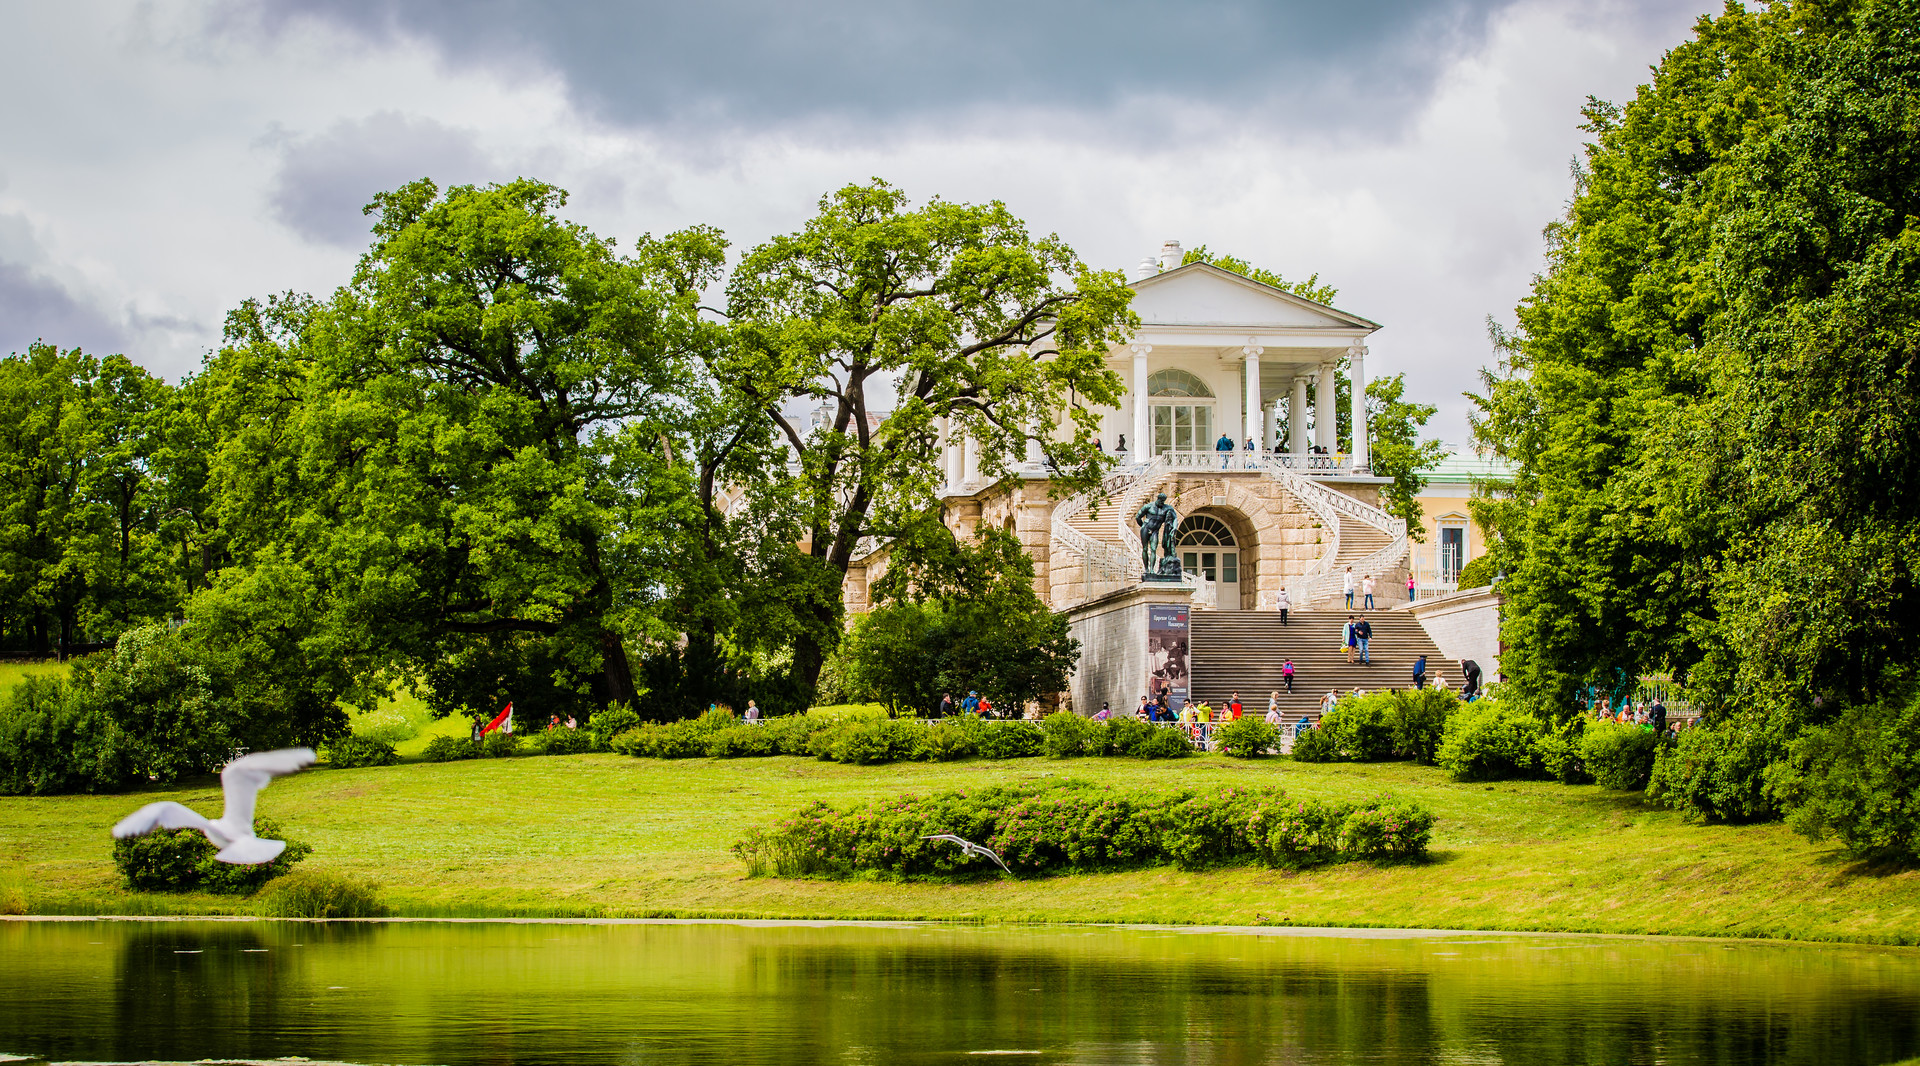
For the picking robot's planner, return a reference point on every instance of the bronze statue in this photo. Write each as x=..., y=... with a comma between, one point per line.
x=1159, y=528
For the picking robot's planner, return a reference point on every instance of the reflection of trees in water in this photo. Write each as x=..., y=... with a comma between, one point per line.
x=472, y=994
x=196, y=990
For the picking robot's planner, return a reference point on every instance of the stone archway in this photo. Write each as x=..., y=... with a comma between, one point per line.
x=1255, y=527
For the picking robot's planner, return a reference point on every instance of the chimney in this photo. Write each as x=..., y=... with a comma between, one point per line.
x=1169, y=255
x=1148, y=267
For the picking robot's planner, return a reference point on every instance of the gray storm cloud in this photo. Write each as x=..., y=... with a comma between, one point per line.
x=757, y=63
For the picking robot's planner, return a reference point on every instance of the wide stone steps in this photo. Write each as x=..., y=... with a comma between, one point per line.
x=1244, y=650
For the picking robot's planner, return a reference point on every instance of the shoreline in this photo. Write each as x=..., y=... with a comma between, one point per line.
x=1347, y=932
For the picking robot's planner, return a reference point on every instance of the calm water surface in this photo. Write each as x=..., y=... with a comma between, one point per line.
x=455, y=993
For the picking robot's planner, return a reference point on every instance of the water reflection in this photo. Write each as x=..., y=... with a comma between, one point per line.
x=538, y=993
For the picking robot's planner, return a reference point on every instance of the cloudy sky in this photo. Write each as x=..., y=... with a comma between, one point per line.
x=163, y=161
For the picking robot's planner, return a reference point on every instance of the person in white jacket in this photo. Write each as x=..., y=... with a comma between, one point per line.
x=1282, y=604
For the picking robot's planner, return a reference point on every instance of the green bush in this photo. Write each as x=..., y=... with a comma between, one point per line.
x=1162, y=742
x=53, y=739
x=946, y=741
x=1618, y=755
x=1009, y=740
x=1490, y=741
x=181, y=860
x=499, y=745
x=685, y=739
x=1478, y=573
x=1386, y=829
x=1315, y=745
x=611, y=721
x=1361, y=728
x=868, y=741
x=1717, y=773
x=1246, y=737
x=1074, y=825
x=1558, y=752
x=564, y=741
x=318, y=894
x=741, y=741
x=447, y=749
x=1297, y=835
x=1068, y=735
x=791, y=732
x=1419, y=720
x=1122, y=736
x=1858, y=779
x=355, y=751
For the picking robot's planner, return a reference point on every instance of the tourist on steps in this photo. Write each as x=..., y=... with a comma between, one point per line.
x=1284, y=604
x=1347, y=640
x=1346, y=586
x=1420, y=673
x=1286, y=675
x=1273, y=711
x=1470, y=680
x=1409, y=588
x=1366, y=589
x=1363, y=632
x=1233, y=705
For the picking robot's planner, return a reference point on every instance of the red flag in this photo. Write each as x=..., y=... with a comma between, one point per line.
x=505, y=716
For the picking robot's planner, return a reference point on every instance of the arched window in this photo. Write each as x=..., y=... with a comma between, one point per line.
x=1176, y=383
x=1205, y=530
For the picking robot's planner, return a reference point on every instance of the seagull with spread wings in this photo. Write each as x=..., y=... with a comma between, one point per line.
x=241, y=780
x=969, y=847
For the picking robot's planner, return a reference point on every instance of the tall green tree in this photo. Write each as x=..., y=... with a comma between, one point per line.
x=460, y=463
x=949, y=312
x=1710, y=397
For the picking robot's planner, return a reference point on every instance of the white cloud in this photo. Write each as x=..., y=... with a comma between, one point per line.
x=169, y=173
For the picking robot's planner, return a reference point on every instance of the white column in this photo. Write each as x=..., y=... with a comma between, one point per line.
x=1270, y=426
x=1357, y=401
x=970, y=463
x=1139, y=442
x=1250, y=428
x=1035, y=455
x=1325, y=411
x=950, y=451
x=1297, y=416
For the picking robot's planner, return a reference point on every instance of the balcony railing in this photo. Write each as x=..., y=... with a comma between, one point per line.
x=1207, y=459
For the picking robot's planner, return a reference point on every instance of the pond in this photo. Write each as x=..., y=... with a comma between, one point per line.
x=676, y=992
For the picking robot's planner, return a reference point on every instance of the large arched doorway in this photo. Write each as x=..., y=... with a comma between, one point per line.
x=1207, y=546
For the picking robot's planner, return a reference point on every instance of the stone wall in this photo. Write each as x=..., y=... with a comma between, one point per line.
x=1112, y=632
x=1465, y=625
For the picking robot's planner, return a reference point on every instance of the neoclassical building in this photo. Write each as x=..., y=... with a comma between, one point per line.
x=1217, y=354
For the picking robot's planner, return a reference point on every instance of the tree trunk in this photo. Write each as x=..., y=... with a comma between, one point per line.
x=616, y=673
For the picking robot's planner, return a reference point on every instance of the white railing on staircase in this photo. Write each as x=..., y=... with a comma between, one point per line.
x=1106, y=566
x=1328, y=506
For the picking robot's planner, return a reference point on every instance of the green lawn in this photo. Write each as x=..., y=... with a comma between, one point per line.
x=12, y=672
x=606, y=835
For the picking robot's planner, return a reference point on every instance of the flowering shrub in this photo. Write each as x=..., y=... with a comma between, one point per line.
x=1079, y=826
x=1296, y=835
x=1386, y=829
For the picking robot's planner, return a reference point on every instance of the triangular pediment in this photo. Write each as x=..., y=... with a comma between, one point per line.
x=1200, y=294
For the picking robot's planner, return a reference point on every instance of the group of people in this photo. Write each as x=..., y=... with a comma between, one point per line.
x=1650, y=715
x=1469, y=678
x=972, y=703
x=1364, y=587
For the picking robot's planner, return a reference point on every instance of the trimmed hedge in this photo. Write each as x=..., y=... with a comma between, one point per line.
x=1380, y=726
x=1079, y=826
x=873, y=739
x=348, y=753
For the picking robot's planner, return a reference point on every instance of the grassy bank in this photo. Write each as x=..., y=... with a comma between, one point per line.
x=605, y=835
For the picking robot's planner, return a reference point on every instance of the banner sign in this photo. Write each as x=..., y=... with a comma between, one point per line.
x=1167, y=652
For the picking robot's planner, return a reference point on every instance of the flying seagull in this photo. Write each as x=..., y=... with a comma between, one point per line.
x=970, y=847
x=241, y=780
